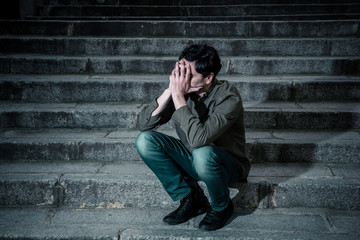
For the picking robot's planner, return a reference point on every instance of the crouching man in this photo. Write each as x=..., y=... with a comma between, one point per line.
x=209, y=121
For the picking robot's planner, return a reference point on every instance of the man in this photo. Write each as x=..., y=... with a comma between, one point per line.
x=208, y=117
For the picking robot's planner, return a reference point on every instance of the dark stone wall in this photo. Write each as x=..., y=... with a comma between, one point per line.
x=10, y=10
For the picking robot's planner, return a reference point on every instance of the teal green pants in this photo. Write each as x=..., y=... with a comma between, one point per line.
x=172, y=163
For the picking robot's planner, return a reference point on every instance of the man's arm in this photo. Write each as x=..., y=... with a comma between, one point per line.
x=162, y=102
x=156, y=113
x=179, y=86
x=161, y=109
x=199, y=133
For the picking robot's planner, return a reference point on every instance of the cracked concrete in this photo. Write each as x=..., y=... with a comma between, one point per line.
x=132, y=223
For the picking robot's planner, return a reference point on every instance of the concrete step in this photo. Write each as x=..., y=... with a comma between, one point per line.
x=82, y=185
x=114, y=145
x=190, y=2
x=45, y=64
x=196, y=10
x=268, y=115
x=158, y=28
x=155, y=46
x=145, y=87
x=289, y=17
x=132, y=223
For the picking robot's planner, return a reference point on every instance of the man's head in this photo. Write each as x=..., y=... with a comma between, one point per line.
x=206, y=59
x=204, y=63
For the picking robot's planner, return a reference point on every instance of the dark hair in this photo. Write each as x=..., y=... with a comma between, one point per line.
x=206, y=59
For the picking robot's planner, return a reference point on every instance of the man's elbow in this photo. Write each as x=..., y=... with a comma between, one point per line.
x=199, y=140
x=197, y=144
x=143, y=128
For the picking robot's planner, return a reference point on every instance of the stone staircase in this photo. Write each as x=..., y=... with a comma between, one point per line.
x=75, y=75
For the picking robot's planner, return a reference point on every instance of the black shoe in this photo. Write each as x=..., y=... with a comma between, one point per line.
x=191, y=206
x=214, y=220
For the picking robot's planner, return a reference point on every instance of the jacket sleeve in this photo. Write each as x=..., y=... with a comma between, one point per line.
x=146, y=122
x=199, y=133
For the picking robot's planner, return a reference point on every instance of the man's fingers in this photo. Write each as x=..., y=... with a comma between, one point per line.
x=176, y=70
x=182, y=70
x=172, y=75
x=193, y=89
x=188, y=71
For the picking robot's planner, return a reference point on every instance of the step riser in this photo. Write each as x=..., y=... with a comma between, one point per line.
x=84, y=191
x=38, y=65
x=189, y=2
x=103, y=91
x=95, y=118
x=27, y=192
x=215, y=10
x=328, y=199
x=124, y=151
x=316, y=194
x=251, y=47
x=181, y=28
x=301, y=17
x=69, y=119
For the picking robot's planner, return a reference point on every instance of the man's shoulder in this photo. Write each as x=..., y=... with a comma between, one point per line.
x=225, y=86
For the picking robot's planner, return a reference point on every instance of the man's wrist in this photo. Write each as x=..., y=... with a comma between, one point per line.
x=179, y=100
x=167, y=91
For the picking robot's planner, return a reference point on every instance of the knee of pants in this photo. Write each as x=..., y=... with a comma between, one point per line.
x=204, y=160
x=144, y=143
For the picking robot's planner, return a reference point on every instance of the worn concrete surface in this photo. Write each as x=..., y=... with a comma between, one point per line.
x=193, y=10
x=108, y=145
x=253, y=65
x=145, y=87
x=133, y=184
x=128, y=28
x=132, y=223
x=150, y=46
x=269, y=115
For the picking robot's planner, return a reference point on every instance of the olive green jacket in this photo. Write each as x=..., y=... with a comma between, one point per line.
x=216, y=118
